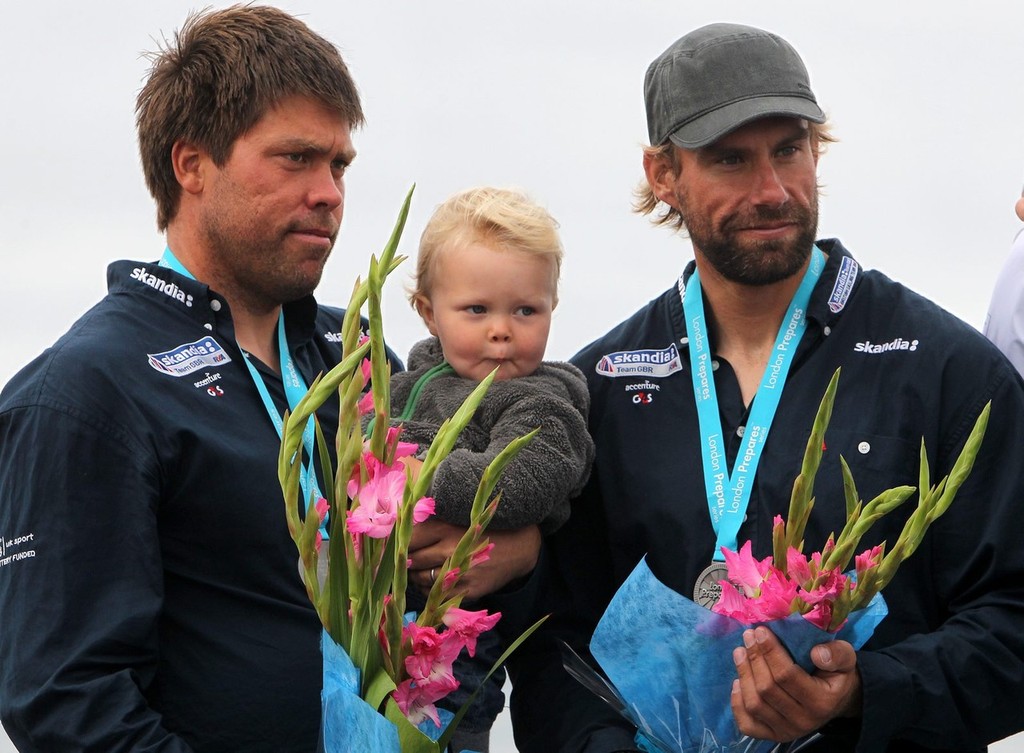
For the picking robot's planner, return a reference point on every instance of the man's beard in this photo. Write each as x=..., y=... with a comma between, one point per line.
x=257, y=267
x=754, y=263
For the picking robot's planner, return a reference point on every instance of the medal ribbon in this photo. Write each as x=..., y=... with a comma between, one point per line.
x=729, y=493
x=294, y=389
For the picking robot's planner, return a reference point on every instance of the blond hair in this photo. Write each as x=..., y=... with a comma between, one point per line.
x=501, y=218
x=645, y=202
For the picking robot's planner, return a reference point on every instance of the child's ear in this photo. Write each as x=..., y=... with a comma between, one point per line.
x=426, y=312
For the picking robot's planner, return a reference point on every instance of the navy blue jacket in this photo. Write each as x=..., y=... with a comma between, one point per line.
x=149, y=589
x=945, y=670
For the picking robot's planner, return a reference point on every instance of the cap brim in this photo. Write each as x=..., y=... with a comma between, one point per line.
x=712, y=126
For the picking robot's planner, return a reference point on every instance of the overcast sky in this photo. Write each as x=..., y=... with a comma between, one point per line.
x=547, y=96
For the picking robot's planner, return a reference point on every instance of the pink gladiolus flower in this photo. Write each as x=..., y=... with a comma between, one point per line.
x=797, y=565
x=469, y=625
x=379, y=499
x=430, y=663
x=828, y=589
x=451, y=578
x=777, y=594
x=414, y=705
x=365, y=404
x=322, y=507
x=772, y=601
x=867, y=559
x=401, y=449
x=821, y=615
x=745, y=571
x=423, y=509
x=481, y=555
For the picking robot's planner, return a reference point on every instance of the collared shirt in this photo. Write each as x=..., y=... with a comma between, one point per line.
x=1004, y=323
x=161, y=606
x=909, y=371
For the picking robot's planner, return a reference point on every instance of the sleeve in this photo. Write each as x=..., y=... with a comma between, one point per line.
x=956, y=683
x=551, y=711
x=537, y=485
x=1004, y=324
x=80, y=586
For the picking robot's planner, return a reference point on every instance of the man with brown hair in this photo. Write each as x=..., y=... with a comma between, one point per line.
x=148, y=585
x=727, y=367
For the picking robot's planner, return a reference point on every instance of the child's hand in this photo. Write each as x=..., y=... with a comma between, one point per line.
x=413, y=464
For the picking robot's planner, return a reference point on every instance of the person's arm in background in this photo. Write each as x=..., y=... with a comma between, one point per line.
x=1004, y=322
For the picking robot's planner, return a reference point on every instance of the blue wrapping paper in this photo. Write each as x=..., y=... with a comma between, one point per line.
x=349, y=723
x=671, y=661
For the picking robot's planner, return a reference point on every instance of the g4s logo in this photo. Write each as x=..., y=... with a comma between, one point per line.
x=643, y=398
x=214, y=391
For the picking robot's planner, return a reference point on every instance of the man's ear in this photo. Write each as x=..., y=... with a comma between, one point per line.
x=661, y=176
x=189, y=163
x=426, y=312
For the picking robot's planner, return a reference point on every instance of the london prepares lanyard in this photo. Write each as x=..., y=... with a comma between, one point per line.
x=729, y=494
x=294, y=390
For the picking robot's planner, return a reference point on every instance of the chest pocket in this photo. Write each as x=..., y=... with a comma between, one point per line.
x=877, y=463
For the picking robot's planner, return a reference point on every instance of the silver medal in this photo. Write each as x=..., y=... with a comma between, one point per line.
x=708, y=590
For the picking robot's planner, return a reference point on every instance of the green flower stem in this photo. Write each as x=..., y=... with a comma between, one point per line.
x=801, y=503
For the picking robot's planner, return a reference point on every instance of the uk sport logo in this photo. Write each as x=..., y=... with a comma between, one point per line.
x=643, y=363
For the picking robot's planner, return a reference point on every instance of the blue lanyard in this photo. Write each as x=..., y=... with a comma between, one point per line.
x=294, y=389
x=729, y=493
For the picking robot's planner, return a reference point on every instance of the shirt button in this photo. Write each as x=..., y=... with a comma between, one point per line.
x=740, y=430
x=714, y=365
x=864, y=448
x=827, y=331
x=215, y=305
x=208, y=326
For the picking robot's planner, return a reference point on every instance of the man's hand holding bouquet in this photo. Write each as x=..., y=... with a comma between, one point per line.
x=787, y=602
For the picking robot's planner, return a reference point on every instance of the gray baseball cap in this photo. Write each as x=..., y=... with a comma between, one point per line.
x=719, y=77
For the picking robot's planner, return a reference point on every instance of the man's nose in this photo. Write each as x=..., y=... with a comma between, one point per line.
x=768, y=188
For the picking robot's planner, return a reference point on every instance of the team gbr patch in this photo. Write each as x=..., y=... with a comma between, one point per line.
x=185, y=359
x=843, y=286
x=647, y=363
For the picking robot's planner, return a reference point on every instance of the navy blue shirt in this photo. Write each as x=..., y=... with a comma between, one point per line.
x=945, y=669
x=161, y=606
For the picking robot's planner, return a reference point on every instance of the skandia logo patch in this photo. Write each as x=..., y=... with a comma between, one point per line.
x=898, y=344
x=645, y=363
x=167, y=288
x=843, y=287
x=333, y=337
x=190, y=357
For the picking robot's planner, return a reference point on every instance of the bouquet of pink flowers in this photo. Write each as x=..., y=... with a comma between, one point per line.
x=804, y=600
x=819, y=587
x=384, y=670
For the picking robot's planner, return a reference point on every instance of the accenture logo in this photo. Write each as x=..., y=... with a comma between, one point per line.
x=898, y=344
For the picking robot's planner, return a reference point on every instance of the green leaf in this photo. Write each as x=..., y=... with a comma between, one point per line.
x=453, y=725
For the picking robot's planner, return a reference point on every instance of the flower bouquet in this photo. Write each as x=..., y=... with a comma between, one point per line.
x=803, y=600
x=384, y=670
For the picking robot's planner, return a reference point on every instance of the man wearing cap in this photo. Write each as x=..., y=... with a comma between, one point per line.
x=765, y=311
